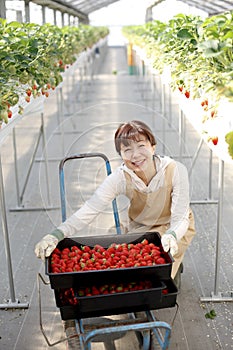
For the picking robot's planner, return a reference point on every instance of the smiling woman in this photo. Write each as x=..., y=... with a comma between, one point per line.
x=136, y=144
x=157, y=188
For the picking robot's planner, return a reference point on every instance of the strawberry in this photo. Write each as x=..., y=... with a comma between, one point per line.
x=56, y=251
x=145, y=242
x=213, y=114
x=214, y=140
x=160, y=261
x=95, y=290
x=9, y=113
x=187, y=94
x=85, y=248
x=29, y=92
x=204, y=103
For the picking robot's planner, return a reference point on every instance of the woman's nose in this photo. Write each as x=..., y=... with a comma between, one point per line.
x=134, y=153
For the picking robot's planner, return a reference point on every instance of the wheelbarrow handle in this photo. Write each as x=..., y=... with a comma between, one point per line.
x=62, y=183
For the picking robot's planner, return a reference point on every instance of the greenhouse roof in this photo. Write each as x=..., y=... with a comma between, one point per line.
x=86, y=7
x=82, y=8
x=212, y=7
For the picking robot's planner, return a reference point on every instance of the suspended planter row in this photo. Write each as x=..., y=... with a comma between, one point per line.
x=198, y=55
x=34, y=57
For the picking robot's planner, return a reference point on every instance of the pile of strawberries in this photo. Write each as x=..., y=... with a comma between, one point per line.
x=115, y=256
x=71, y=296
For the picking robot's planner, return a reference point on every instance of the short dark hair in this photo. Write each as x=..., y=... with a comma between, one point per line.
x=131, y=131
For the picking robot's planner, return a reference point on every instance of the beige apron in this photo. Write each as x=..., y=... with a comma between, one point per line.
x=152, y=212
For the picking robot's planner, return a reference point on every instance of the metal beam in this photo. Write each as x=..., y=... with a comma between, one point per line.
x=211, y=6
x=63, y=7
x=89, y=6
x=2, y=9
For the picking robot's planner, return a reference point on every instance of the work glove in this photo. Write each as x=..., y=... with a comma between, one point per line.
x=46, y=246
x=169, y=242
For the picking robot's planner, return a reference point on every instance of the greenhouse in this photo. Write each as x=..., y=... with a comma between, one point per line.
x=116, y=165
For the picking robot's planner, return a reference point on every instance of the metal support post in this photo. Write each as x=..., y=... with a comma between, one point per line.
x=46, y=159
x=210, y=173
x=60, y=125
x=169, y=107
x=209, y=200
x=12, y=302
x=181, y=121
x=60, y=106
x=217, y=296
x=182, y=136
x=20, y=196
x=163, y=112
x=16, y=169
x=195, y=156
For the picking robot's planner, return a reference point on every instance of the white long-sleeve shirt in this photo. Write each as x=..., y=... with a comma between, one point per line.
x=115, y=185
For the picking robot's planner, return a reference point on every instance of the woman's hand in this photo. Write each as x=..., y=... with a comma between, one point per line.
x=169, y=242
x=46, y=246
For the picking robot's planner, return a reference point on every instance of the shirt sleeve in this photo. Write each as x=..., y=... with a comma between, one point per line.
x=112, y=186
x=180, y=201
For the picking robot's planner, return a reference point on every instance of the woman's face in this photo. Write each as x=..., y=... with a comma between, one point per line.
x=138, y=155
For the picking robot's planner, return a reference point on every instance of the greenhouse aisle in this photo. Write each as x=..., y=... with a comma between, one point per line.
x=93, y=104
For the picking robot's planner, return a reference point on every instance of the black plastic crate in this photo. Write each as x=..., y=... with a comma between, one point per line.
x=80, y=278
x=112, y=304
x=169, y=299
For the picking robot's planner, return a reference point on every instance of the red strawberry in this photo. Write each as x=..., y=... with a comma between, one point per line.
x=187, y=94
x=214, y=140
x=160, y=261
x=213, y=114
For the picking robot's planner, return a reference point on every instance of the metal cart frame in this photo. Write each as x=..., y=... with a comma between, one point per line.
x=146, y=328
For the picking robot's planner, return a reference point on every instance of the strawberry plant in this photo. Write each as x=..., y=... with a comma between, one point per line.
x=32, y=58
x=199, y=55
x=198, y=51
x=229, y=141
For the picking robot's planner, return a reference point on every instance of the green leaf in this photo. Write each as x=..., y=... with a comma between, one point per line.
x=213, y=313
x=229, y=137
x=14, y=24
x=184, y=34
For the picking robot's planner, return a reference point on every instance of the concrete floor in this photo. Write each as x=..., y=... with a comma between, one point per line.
x=94, y=105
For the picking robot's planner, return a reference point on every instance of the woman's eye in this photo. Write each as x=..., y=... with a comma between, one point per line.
x=142, y=145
